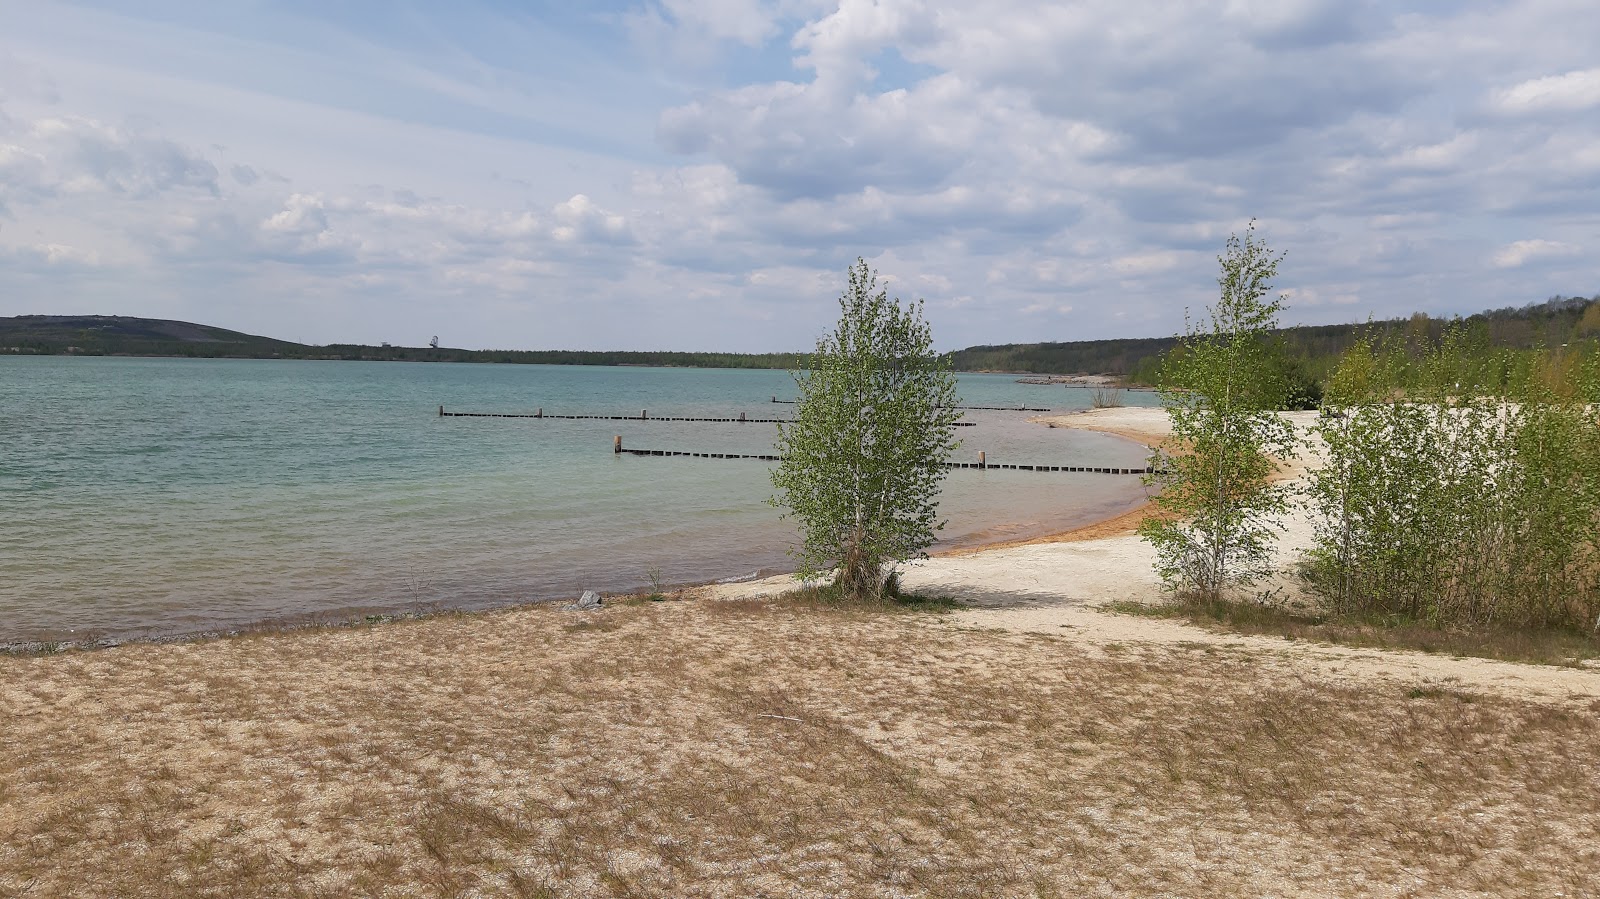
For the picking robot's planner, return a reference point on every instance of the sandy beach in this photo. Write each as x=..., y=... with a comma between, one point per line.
x=729, y=743
x=1056, y=583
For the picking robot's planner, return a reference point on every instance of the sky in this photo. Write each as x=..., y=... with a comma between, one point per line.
x=699, y=174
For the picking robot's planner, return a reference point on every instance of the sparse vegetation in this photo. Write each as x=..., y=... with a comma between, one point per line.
x=658, y=589
x=1106, y=398
x=1540, y=646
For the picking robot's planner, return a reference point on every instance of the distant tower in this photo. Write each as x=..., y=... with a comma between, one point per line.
x=434, y=342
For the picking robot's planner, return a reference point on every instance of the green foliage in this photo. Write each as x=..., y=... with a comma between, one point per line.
x=1222, y=390
x=1589, y=324
x=863, y=458
x=1309, y=352
x=1301, y=376
x=1127, y=357
x=1462, y=487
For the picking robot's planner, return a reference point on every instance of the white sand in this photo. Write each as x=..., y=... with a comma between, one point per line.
x=1055, y=588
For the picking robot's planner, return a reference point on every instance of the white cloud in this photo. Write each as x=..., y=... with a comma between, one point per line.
x=56, y=254
x=1047, y=309
x=1567, y=92
x=1333, y=294
x=750, y=22
x=581, y=219
x=1443, y=156
x=1145, y=263
x=301, y=214
x=1522, y=251
x=1005, y=158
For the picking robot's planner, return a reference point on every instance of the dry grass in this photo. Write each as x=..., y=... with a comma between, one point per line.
x=649, y=750
x=1106, y=398
x=1511, y=644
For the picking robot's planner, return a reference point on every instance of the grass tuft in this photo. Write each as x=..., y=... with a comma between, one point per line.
x=894, y=599
x=1548, y=646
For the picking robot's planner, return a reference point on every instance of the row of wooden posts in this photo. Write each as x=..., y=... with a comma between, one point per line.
x=982, y=463
x=980, y=408
x=644, y=415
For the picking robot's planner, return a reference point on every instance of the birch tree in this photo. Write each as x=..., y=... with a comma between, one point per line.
x=1222, y=390
x=862, y=462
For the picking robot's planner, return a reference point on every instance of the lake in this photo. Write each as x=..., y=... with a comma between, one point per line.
x=144, y=497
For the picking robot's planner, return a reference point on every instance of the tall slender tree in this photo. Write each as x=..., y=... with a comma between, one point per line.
x=863, y=460
x=1222, y=390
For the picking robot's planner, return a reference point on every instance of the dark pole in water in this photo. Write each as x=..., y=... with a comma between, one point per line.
x=741, y=416
x=643, y=414
x=540, y=413
x=441, y=412
x=616, y=444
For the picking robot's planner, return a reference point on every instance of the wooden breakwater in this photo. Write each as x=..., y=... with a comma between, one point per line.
x=983, y=463
x=644, y=415
x=978, y=408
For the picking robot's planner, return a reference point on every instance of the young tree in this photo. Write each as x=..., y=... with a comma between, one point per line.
x=864, y=457
x=1222, y=391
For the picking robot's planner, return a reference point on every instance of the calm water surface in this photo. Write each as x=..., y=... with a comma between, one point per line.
x=149, y=496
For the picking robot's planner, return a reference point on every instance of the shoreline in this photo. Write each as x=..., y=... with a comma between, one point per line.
x=1120, y=524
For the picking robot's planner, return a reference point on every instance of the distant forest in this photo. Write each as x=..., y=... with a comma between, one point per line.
x=1309, y=351
x=117, y=335
x=1312, y=349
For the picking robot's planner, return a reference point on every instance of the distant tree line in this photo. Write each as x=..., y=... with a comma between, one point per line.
x=567, y=357
x=122, y=336
x=1308, y=353
x=361, y=353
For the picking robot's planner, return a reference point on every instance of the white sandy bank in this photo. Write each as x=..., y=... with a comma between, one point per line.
x=1054, y=588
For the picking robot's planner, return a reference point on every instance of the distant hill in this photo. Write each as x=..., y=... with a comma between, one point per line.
x=127, y=335
x=1311, y=349
x=121, y=335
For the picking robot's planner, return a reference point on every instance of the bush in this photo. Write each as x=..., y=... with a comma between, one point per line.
x=1461, y=490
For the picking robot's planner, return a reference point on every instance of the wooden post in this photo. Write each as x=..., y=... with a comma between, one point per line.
x=741, y=414
x=616, y=444
x=441, y=412
x=540, y=413
x=644, y=413
x=983, y=461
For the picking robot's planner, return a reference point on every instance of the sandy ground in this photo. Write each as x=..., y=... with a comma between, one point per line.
x=1056, y=584
x=745, y=749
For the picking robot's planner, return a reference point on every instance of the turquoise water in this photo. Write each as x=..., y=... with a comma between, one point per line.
x=150, y=496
